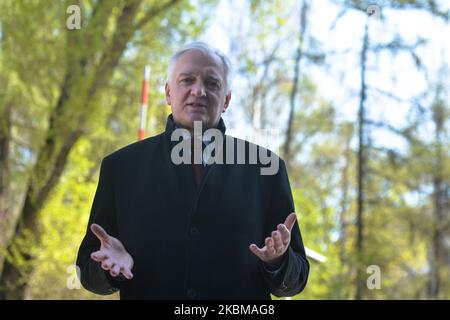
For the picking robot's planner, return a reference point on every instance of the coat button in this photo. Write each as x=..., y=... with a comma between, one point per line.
x=191, y=293
x=194, y=231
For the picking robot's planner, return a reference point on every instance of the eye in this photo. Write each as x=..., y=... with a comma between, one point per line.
x=186, y=80
x=213, y=84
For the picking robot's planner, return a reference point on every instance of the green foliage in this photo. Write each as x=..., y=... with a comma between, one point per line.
x=37, y=52
x=57, y=78
x=63, y=222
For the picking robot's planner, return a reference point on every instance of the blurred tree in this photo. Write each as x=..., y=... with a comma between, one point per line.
x=52, y=96
x=396, y=45
x=73, y=89
x=439, y=249
x=298, y=59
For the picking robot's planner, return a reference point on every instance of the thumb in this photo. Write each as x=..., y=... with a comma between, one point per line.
x=290, y=221
x=100, y=233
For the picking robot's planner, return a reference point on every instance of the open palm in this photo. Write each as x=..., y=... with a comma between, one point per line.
x=112, y=254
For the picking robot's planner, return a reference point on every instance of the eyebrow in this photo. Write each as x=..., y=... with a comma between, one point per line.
x=188, y=74
x=184, y=74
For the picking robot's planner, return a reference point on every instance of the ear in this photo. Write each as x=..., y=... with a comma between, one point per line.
x=227, y=102
x=167, y=89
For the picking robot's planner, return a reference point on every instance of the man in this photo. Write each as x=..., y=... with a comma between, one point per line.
x=161, y=230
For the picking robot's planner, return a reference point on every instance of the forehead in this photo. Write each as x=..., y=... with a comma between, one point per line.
x=199, y=62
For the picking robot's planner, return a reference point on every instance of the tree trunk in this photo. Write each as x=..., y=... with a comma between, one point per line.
x=348, y=133
x=13, y=280
x=5, y=141
x=5, y=201
x=63, y=133
x=289, y=131
x=437, y=254
x=361, y=171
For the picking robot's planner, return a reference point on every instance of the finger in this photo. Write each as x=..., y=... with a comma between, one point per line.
x=100, y=233
x=127, y=273
x=290, y=221
x=99, y=256
x=107, y=264
x=285, y=234
x=269, y=245
x=114, y=271
x=276, y=236
x=257, y=251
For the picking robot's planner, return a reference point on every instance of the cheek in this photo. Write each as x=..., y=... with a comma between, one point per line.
x=217, y=99
x=179, y=97
x=219, y=102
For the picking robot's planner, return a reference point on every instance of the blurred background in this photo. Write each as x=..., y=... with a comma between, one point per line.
x=354, y=95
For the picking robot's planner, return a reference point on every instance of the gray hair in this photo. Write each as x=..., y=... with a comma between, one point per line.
x=207, y=49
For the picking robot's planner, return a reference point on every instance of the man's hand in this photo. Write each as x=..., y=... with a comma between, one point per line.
x=112, y=254
x=277, y=244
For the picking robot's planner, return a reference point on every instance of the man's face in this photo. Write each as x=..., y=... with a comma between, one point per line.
x=196, y=90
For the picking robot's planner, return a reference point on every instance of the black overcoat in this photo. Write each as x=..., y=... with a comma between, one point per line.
x=189, y=242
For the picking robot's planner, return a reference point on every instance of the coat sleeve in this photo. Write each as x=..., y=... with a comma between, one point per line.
x=92, y=276
x=291, y=277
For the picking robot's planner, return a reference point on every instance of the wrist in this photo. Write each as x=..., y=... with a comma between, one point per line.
x=275, y=263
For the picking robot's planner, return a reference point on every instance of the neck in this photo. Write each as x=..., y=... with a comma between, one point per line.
x=191, y=128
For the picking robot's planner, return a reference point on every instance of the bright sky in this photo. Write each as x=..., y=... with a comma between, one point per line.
x=340, y=83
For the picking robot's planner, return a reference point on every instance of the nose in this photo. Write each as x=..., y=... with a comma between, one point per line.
x=198, y=90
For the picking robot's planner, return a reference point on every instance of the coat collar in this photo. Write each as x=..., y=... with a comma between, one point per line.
x=171, y=125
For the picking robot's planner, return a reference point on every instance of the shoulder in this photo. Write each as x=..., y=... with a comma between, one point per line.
x=136, y=150
x=267, y=160
x=237, y=143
